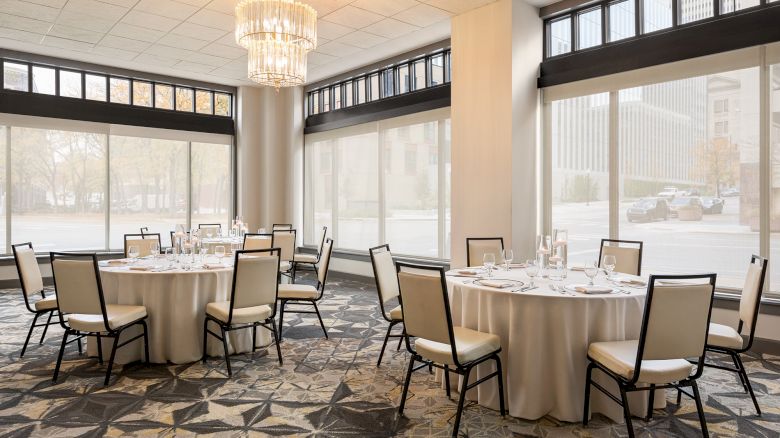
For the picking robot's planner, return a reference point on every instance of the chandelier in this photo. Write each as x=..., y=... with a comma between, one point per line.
x=278, y=35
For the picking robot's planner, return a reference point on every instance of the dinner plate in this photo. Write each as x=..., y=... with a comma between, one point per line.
x=509, y=283
x=573, y=288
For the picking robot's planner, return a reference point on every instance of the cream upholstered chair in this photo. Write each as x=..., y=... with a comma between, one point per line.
x=305, y=294
x=252, y=300
x=257, y=241
x=143, y=242
x=674, y=329
x=477, y=247
x=387, y=288
x=426, y=312
x=216, y=229
x=628, y=254
x=285, y=241
x=281, y=227
x=310, y=260
x=726, y=340
x=31, y=281
x=80, y=297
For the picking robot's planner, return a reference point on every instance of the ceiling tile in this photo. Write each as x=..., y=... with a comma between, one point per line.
x=29, y=10
x=325, y=7
x=332, y=31
x=162, y=61
x=352, y=16
x=169, y=52
x=64, y=43
x=217, y=20
x=95, y=8
x=166, y=8
x=214, y=61
x=225, y=6
x=200, y=32
x=335, y=48
x=385, y=7
x=362, y=39
x=74, y=33
x=114, y=53
x=182, y=42
x=391, y=28
x=20, y=35
x=316, y=58
x=150, y=21
x=50, y=3
x=25, y=24
x=193, y=67
x=198, y=3
x=457, y=6
x=126, y=3
x=422, y=15
x=229, y=40
x=96, y=24
x=122, y=43
x=136, y=33
x=231, y=52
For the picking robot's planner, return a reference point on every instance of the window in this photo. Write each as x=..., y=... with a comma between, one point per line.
x=211, y=183
x=374, y=87
x=70, y=84
x=95, y=87
x=560, y=36
x=204, y=102
x=721, y=106
x=326, y=97
x=419, y=75
x=727, y=6
x=589, y=28
x=621, y=20
x=344, y=169
x=388, y=83
x=348, y=86
x=657, y=15
x=163, y=96
x=695, y=10
x=744, y=192
x=361, y=91
x=15, y=76
x=403, y=79
x=437, y=70
x=315, y=102
x=336, y=96
x=44, y=80
x=185, y=99
x=119, y=90
x=222, y=104
x=142, y=93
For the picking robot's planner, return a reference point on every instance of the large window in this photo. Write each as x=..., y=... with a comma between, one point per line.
x=81, y=186
x=381, y=182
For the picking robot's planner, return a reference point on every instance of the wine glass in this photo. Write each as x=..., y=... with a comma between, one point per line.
x=608, y=262
x=132, y=252
x=488, y=261
x=591, y=271
x=219, y=251
x=508, y=256
x=209, y=232
x=154, y=249
x=531, y=270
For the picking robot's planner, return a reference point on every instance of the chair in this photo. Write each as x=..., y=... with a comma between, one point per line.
x=725, y=340
x=216, y=229
x=285, y=241
x=476, y=247
x=310, y=260
x=144, y=230
x=80, y=296
x=387, y=289
x=257, y=241
x=674, y=328
x=143, y=242
x=31, y=281
x=305, y=294
x=426, y=312
x=252, y=300
x=628, y=254
x=173, y=237
x=281, y=227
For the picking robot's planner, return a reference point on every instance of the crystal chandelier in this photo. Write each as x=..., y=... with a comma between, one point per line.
x=278, y=35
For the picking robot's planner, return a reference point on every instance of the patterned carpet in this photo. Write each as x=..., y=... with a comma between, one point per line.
x=327, y=388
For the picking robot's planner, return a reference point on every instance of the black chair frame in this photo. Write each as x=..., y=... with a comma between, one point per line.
x=281, y=227
x=308, y=301
x=392, y=322
x=31, y=308
x=226, y=327
x=313, y=265
x=630, y=385
x=291, y=272
x=110, y=333
x=462, y=369
x=142, y=236
x=173, y=237
x=468, y=247
x=144, y=231
x=630, y=242
x=218, y=226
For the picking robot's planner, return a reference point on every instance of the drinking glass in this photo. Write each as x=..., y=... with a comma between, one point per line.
x=488, y=261
x=591, y=271
x=132, y=252
x=508, y=256
x=203, y=253
x=219, y=251
x=609, y=262
x=531, y=270
x=154, y=249
x=209, y=232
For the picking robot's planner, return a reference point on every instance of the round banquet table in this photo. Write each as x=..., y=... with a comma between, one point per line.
x=175, y=302
x=227, y=242
x=544, y=341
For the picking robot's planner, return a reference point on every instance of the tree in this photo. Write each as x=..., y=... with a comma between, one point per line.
x=718, y=163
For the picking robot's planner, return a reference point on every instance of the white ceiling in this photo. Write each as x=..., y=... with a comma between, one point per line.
x=194, y=38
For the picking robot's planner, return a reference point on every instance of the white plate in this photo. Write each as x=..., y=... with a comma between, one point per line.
x=573, y=288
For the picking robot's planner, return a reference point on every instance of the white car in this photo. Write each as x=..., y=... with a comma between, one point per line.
x=669, y=192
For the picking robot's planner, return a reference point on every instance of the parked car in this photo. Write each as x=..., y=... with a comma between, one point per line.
x=733, y=191
x=712, y=205
x=686, y=208
x=669, y=193
x=691, y=192
x=648, y=209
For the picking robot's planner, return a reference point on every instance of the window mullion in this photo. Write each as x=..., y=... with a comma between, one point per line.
x=8, y=199
x=764, y=155
x=107, y=189
x=614, y=166
x=381, y=183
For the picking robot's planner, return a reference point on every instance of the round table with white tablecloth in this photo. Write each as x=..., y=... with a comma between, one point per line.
x=544, y=340
x=175, y=301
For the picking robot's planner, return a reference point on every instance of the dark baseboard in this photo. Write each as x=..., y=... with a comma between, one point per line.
x=766, y=346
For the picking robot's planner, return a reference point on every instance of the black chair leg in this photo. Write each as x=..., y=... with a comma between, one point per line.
x=384, y=344
x=626, y=412
x=254, y=338
x=406, y=385
x=398, y=347
x=146, y=341
x=447, y=379
x=111, y=358
x=79, y=344
x=59, y=356
x=650, y=401
x=586, y=408
x=46, y=327
x=205, y=338
x=99, y=348
x=29, y=334
x=282, y=303
x=500, y=377
x=700, y=409
x=227, y=355
x=276, y=341
x=461, y=401
x=320, y=318
x=739, y=374
x=749, y=386
x=679, y=397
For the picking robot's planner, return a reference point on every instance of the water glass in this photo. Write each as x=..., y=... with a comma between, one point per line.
x=508, y=255
x=154, y=249
x=132, y=252
x=591, y=271
x=531, y=270
x=608, y=262
x=219, y=251
x=488, y=261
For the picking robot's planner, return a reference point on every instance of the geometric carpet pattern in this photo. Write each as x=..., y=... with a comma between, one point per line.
x=326, y=388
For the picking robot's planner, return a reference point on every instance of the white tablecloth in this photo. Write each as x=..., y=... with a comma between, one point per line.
x=544, y=340
x=176, y=302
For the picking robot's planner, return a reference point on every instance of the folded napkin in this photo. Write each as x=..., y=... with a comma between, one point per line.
x=517, y=265
x=467, y=271
x=215, y=266
x=118, y=262
x=141, y=268
x=583, y=289
x=577, y=268
x=499, y=284
x=631, y=281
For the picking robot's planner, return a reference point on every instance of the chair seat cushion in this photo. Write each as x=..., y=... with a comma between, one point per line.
x=284, y=266
x=305, y=258
x=470, y=345
x=620, y=358
x=221, y=311
x=118, y=315
x=47, y=303
x=300, y=291
x=396, y=314
x=724, y=336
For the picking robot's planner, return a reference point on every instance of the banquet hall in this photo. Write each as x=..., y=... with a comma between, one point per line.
x=380, y=218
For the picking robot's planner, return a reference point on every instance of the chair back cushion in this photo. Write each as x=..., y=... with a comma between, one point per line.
x=285, y=241
x=31, y=273
x=144, y=245
x=751, y=292
x=424, y=307
x=256, y=279
x=77, y=287
x=478, y=248
x=322, y=270
x=256, y=242
x=215, y=228
x=677, y=321
x=626, y=259
x=386, y=276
